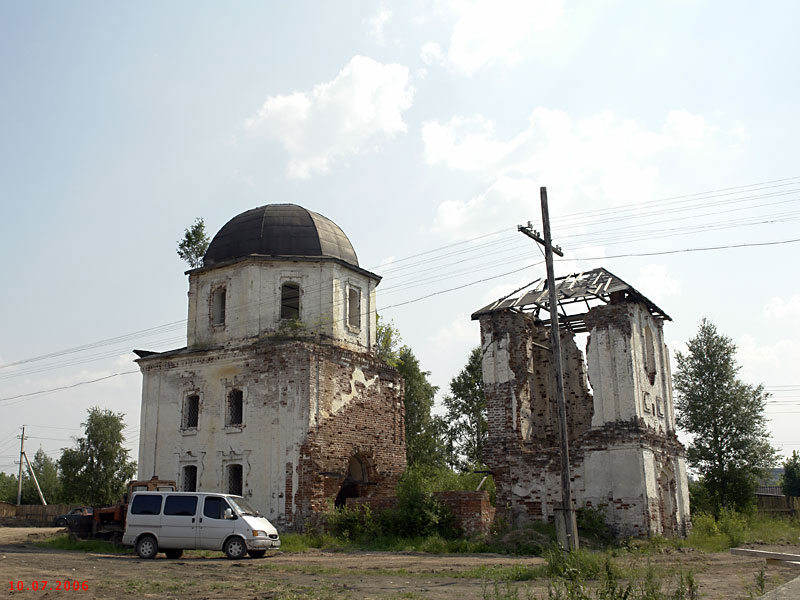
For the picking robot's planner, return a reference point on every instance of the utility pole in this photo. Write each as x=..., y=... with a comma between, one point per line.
x=35, y=481
x=21, y=455
x=568, y=526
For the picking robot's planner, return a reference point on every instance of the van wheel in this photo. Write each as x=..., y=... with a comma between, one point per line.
x=173, y=553
x=235, y=548
x=147, y=547
x=257, y=553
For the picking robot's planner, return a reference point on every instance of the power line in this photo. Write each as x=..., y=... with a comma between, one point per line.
x=686, y=250
x=388, y=267
x=396, y=265
x=66, y=387
x=398, y=304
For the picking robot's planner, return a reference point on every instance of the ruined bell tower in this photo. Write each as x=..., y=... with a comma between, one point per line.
x=625, y=458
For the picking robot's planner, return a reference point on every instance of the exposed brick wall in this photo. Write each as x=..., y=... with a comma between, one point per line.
x=472, y=510
x=369, y=427
x=623, y=460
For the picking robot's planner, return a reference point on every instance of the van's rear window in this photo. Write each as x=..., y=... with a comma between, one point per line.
x=146, y=505
x=181, y=505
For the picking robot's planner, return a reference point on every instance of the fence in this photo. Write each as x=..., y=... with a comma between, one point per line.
x=789, y=505
x=35, y=512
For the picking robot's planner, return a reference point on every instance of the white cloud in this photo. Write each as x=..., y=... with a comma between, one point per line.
x=655, y=282
x=685, y=128
x=360, y=107
x=461, y=331
x=507, y=198
x=377, y=24
x=776, y=362
x=599, y=160
x=431, y=53
x=491, y=31
x=781, y=310
x=465, y=143
x=126, y=361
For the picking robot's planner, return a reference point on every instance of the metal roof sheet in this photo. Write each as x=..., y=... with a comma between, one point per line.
x=576, y=294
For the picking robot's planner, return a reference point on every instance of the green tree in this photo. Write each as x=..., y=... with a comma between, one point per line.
x=46, y=470
x=423, y=445
x=8, y=488
x=387, y=342
x=194, y=244
x=791, y=475
x=423, y=431
x=730, y=446
x=97, y=469
x=466, y=413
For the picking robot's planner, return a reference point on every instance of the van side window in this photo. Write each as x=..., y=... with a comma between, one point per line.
x=214, y=508
x=146, y=505
x=181, y=505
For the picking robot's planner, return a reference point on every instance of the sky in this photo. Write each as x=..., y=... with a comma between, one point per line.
x=665, y=134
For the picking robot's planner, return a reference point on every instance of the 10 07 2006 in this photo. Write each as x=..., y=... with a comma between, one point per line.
x=45, y=585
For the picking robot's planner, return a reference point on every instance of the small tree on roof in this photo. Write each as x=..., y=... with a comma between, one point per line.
x=194, y=244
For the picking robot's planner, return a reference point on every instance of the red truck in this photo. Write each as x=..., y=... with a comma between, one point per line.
x=108, y=522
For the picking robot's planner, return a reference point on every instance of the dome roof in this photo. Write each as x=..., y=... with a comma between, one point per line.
x=279, y=230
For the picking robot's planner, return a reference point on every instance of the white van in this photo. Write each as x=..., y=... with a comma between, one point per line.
x=178, y=521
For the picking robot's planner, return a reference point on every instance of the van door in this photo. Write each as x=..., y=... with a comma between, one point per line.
x=214, y=527
x=179, y=522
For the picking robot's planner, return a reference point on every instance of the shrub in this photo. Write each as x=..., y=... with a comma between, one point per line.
x=575, y=565
x=351, y=523
x=733, y=525
x=592, y=523
x=418, y=514
x=704, y=524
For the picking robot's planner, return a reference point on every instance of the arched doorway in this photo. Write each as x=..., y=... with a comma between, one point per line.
x=355, y=477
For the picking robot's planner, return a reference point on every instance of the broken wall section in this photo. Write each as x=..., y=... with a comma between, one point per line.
x=624, y=455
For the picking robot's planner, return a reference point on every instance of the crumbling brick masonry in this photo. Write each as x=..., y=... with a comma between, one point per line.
x=624, y=455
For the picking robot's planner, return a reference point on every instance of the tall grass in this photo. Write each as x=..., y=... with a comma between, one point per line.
x=63, y=542
x=733, y=529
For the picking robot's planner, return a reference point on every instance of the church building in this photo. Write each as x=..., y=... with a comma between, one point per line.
x=278, y=395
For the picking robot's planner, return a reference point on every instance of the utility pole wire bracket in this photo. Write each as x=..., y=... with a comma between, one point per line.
x=534, y=235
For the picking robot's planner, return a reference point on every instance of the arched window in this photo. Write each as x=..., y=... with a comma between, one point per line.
x=649, y=355
x=354, y=307
x=235, y=479
x=218, y=306
x=234, y=412
x=191, y=411
x=290, y=301
x=189, y=478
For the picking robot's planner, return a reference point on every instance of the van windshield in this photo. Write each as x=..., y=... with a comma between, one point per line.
x=242, y=506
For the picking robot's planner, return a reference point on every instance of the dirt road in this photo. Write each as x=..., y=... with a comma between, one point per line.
x=315, y=574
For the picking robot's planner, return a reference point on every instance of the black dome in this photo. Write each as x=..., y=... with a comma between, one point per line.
x=279, y=230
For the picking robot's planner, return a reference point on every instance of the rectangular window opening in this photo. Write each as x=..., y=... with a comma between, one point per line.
x=191, y=411
x=354, y=307
x=190, y=478
x=290, y=301
x=218, y=307
x=235, y=409
x=235, y=479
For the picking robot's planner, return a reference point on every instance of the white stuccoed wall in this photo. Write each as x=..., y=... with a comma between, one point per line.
x=253, y=300
x=275, y=421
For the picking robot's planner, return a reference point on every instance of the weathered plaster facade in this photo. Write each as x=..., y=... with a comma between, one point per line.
x=624, y=455
x=290, y=411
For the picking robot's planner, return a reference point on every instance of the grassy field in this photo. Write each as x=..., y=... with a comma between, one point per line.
x=604, y=569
